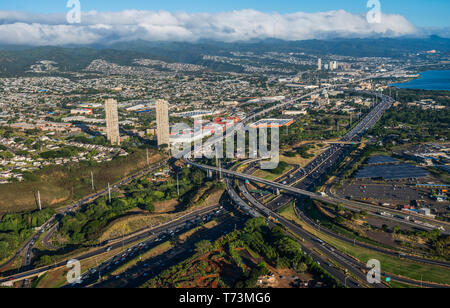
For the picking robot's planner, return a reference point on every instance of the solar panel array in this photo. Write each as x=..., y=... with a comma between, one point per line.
x=381, y=160
x=391, y=172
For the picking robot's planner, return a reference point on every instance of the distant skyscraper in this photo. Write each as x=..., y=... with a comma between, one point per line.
x=333, y=65
x=162, y=121
x=319, y=64
x=112, y=122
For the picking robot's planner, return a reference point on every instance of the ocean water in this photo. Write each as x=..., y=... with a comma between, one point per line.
x=431, y=80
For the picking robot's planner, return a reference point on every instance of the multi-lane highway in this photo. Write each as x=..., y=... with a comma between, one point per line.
x=308, y=177
x=345, y=261
x=51, y=225
x=144, y=235
x=243, y=189
x=300, y=192
x=311, y=246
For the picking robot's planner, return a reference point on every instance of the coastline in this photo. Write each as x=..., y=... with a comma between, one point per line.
x=425, y=80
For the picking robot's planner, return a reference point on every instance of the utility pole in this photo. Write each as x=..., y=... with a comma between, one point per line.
x=109, y=193
x=39, y=201
x=219, y=166
x=178, y=186
x=92, y=181
x=148, y=163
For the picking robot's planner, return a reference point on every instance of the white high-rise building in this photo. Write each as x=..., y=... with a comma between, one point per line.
x=112, y=122
x=333, y=65
x=319, y=64
x=162, y=122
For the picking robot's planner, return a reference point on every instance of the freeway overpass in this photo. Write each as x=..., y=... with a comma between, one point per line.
x=352, y=205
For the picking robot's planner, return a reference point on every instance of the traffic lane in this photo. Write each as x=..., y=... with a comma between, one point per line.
x=304, y=192
x=330, y=252
x=140, y=273
x=371, y=247
x=340, y=259
x=116, y=245
x=124, y=256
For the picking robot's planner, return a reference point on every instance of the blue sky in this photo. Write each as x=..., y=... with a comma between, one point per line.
x=422, y=13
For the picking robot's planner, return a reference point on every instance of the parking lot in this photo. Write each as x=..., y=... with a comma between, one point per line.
x=394, y=194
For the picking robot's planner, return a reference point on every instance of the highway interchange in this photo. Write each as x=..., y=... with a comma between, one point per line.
x=301, y=178
x=307, y=178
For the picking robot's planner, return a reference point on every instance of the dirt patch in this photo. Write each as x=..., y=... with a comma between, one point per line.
x=381, y=237
x=56, y=201
x=130, y=224
x=214, y=198
x=286, y=278
x=165, y=207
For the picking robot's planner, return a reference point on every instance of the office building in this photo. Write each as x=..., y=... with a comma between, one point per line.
x=319, y=64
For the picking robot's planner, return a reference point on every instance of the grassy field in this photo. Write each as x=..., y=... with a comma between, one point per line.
x=298, y=160
x=130, y=224
x=269, y=175
x=399, y=285
x=389, y=264
x=60, y=185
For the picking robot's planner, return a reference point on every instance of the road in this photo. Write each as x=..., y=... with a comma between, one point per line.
x=312, y=174
x=52, y=224
x=138, y=274
x=332, y=253
x=314, y=171
x=342, y=238
x=310, y=247
x=143, y=235
x=353, y=205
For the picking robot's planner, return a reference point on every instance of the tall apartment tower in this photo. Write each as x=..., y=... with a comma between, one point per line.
x=112, y=122
x=331, y=66
x=319, y=64
x=162, y=122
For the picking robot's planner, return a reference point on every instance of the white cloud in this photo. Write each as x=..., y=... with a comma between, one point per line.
x=104, y=27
